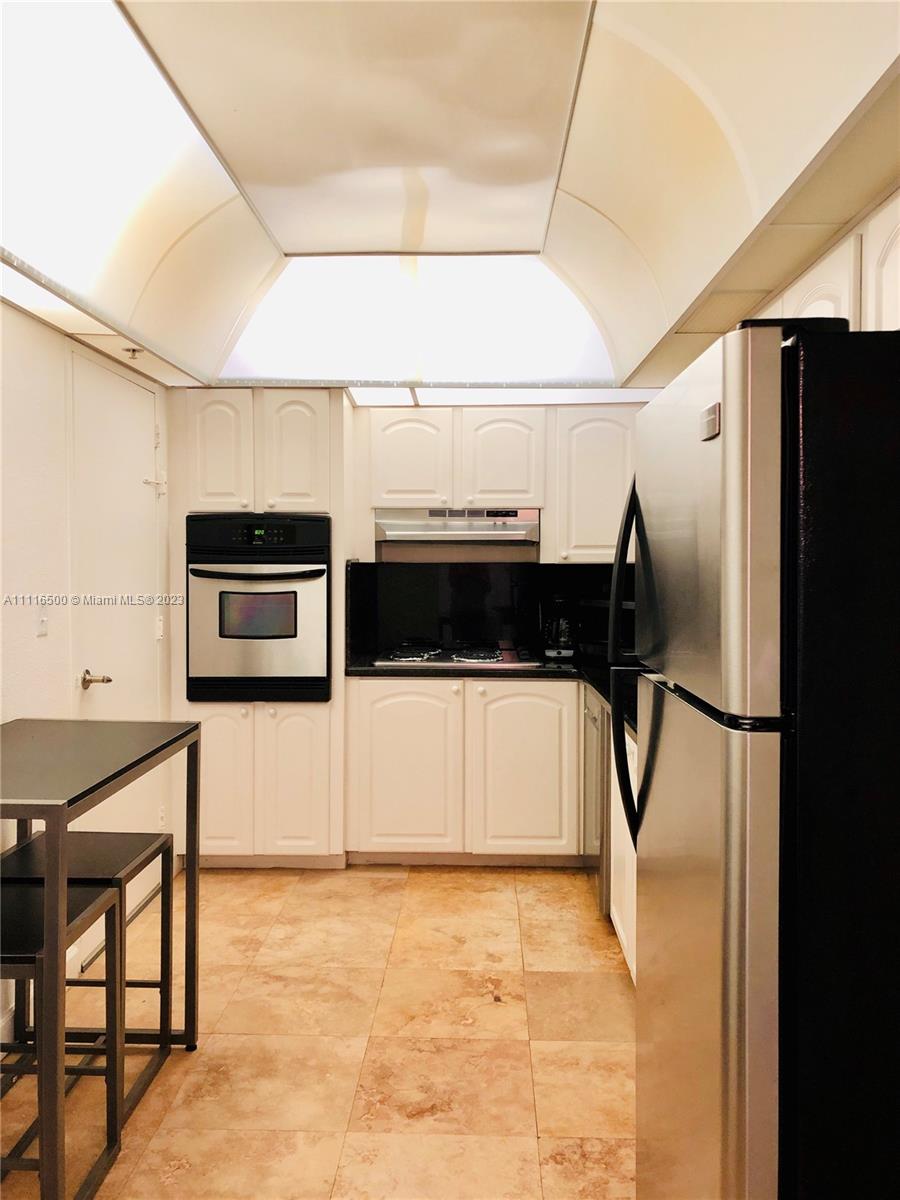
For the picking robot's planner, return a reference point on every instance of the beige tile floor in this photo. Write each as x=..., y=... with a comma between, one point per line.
x=380, y=1034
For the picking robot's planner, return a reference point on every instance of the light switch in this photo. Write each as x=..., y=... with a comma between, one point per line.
x=42, y=627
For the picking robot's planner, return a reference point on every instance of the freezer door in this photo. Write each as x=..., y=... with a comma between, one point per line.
x=708, y=467
x=707, y=946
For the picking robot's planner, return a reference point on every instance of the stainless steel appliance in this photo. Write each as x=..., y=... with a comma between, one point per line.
x=764, y=475
x=258, y=607
x=457, y=534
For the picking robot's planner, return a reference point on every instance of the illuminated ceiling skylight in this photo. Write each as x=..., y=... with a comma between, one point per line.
x=445, y=319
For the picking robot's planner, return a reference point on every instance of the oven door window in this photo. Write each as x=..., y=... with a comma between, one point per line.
x=258, y=615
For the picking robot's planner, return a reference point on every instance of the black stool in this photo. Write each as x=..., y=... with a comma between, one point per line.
x=21, y=958
x=111, y=860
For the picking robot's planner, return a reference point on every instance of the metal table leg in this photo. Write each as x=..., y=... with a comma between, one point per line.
x=52, y=1027
x=192, y=897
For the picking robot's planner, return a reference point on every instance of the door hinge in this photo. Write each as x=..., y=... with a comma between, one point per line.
x=156, y=437
x=160, y=627
x=160, y=484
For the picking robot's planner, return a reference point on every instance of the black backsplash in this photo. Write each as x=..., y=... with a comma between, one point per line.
x=450, y=603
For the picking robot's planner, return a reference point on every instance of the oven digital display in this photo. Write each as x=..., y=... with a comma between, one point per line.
x=258, y=615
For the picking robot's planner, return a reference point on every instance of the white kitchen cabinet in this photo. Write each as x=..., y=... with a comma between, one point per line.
x=830, y=288
x=292, y=778
x=226, y=777
x=292, y=439
x=623, y=863
x=220, y=449
x=411, y=457
x=591, y=472
x=522, y=767
x=501, y=458
x=407, y=759
x=881, y=267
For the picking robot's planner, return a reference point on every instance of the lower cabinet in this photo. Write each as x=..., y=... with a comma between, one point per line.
x=292, y=778
x=409, y=740
x=264, y=778
x=623, y=863
x=406, y=748
x=522, y=767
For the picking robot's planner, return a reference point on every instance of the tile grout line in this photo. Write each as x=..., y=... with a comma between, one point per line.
x=362, y=1061
x=537, y=1138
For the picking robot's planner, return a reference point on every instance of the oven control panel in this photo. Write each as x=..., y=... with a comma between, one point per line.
x=262, y=535
x=257, y=532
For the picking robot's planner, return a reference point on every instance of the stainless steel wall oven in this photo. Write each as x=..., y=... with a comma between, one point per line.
x=258, y=607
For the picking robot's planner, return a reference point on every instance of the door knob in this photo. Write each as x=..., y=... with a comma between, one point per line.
x=482, y=691
x=443, y=499
x=244, y=712
x=455, y=689
x=87, y=678
x=563, y=554
x=272, y=712
x=270, y=504
x=244, y=504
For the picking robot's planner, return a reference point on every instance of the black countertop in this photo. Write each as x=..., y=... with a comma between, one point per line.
x=62, y=762
x=595, y=675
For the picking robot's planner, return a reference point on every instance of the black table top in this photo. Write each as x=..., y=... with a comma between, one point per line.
x=62, y=762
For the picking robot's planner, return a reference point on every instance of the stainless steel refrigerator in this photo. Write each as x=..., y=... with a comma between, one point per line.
x=765, y=819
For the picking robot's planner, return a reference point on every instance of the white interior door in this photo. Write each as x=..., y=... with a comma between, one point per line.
x=115, y=554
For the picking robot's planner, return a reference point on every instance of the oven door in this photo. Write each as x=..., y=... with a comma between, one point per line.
x=257, y=620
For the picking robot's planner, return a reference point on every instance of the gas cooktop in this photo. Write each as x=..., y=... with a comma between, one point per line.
x=431, y=655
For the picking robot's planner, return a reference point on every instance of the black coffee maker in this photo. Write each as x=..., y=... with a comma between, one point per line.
x=558, y=629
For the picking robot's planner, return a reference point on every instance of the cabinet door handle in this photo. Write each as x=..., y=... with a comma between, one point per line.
x=455, y=689
x=245, y=504
x=563, y=554
x=244, y=712
x=273, y=712
x=482, y=691
x=443, y=499
x=469, y=499
x=270, y=504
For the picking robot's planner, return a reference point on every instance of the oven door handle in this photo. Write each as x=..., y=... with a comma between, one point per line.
x=259, y=577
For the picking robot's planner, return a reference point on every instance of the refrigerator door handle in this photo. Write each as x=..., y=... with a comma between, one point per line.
x=620, y=755
x=618, y=657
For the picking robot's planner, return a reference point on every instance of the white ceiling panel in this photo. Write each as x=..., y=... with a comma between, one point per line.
x=408, y=126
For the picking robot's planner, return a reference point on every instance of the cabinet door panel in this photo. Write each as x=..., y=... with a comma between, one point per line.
x=522, y=767
x=594, y=466
x=292, y=791
x=502, y=458
x=220, y=449
x=411, y=457
x=623, y=865
x=226, y=777
x=830, y=288
x=881, y=267
x=294, y=470
x=409, y=761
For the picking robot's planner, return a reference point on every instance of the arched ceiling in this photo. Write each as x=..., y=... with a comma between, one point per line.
x=640, y=153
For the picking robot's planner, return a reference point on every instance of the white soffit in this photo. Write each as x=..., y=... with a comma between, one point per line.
x=392, y=126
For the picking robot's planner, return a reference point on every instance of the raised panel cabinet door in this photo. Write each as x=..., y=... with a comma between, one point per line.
x=293, y=438
x=522, y=767
x=411, y=457
x=623, y=865
x=502, y=458
x=410, y=764
x=594, y=467
x=881, y=267
x=226, y=777
x=292, y=789
x=220, y=449
x=830, y=288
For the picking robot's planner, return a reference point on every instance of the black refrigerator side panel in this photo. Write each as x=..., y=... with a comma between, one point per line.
x=840, y=824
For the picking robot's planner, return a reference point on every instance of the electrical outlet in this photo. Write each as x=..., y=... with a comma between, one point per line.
x=42, y=627
x=162, y=816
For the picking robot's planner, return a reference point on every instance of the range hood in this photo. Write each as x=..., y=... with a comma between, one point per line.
x=457, y=534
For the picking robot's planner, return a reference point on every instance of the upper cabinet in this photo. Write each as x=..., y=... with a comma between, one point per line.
x=292, y=427
x=265, y=449
x=881, y=267
x=830, y=288
x=501, y=458
x=220, y=448
x=411, y=458
x=591, y=470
